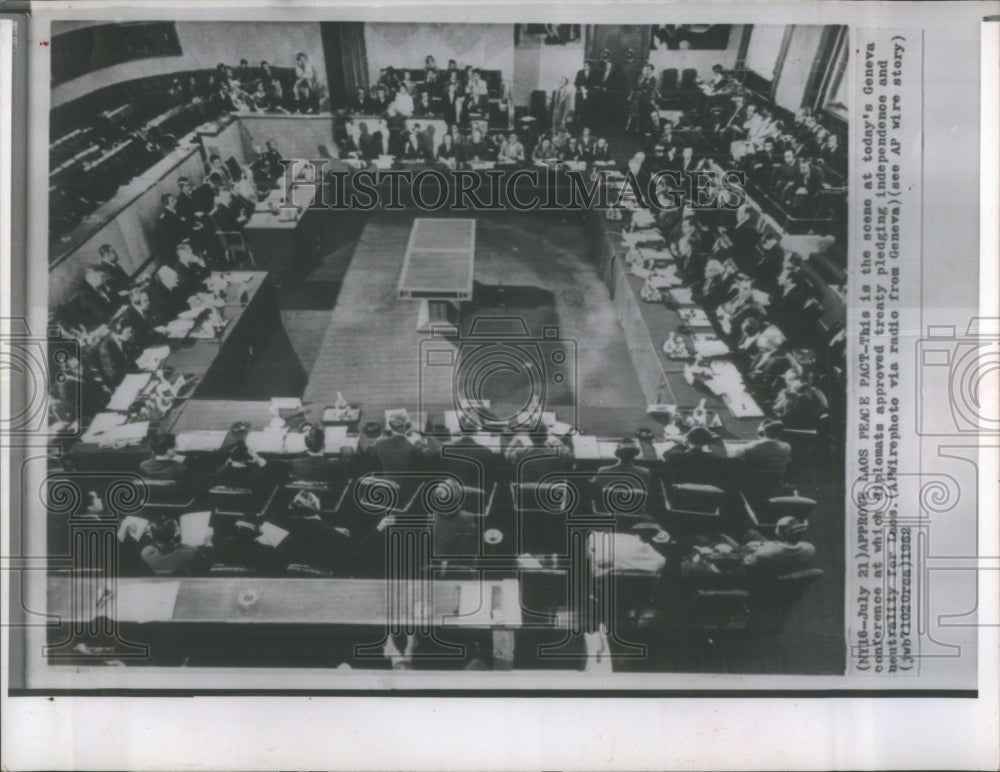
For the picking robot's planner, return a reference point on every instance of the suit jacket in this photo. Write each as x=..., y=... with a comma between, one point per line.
x=99, y=304
x=144, y=325
x=173, y=227
x=116, y=277
x=765, y=462
x=314, y=469
x=165, y=469
x=396, y=454
x=113, y=363
x=687, y=465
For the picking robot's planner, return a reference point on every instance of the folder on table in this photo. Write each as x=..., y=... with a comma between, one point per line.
x=128, y=390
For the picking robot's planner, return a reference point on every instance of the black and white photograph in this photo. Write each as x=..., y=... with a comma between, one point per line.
x=364, y=354
x=304, y=431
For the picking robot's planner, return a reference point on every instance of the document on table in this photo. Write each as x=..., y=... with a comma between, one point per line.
x=336, y=437
x=200, y=440
x=695, y=317
x=128, y=390
x=152, y=357
x=150, y=601
x=585, y=446
x=100, y=424
x=195, y=529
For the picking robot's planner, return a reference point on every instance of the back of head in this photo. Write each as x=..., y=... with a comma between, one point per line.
x=790, y=529
x=162, y=444
x=315, y=440
x=165, y=532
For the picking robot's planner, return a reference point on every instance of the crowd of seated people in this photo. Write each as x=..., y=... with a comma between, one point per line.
x=319, y=500
x=89, y=163
x=114, y=316
x=456, y=95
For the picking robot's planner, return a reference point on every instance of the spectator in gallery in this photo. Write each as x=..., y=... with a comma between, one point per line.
x=306, y=84
x=259, y=99
x=430, y=65
x=424, y=108
x=412, y=149
x=402, y=104
x=800, y=405
x=561, y=105
x=361, y=103
x=543, y=151
x=116, y=276
x=511, y=151
x=455, y=103
x=478, y=149
x=369, y=145
x=447, y=153
x=165, y=555
x=275, y=95
x=244, y=74
x=601, y=152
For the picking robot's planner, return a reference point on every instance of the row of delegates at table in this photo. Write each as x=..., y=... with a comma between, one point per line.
x=318, y=537
x=115, y=319
x=756, y=291
x=222, y=203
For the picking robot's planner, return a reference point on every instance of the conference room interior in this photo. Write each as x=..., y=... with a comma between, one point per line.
x=274, y=445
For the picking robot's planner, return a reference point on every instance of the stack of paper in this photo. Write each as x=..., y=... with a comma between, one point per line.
x=295, y=442
x=560, y=428
x=272, y=534
x=664, y=278
x=642, y=218
x=152, y=358
x=128, y=390
x=711, y=348
x=337, y=438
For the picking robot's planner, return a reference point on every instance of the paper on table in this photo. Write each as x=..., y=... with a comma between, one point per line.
x=132, y=526
x=268, y=441
x=662, y=447
x=128, y=390
x=295, y=442
x=152, y=357
x=711, y=348
x=200, y=439
x=100, y=424
x=451, y=421
x=682, y=295
x=560, y=428
x=743, y=406
x=195, y=528
x=272, y=533
x=146, y=601
x=585, y=446
x=125, y=434
x=336, y=438
x=549, y=418
x=606, y=448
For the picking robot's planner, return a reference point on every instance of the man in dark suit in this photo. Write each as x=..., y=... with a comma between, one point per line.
x=314, y=466
x=474, y=464
x=173, y=227
x=228, y=214
x=244, y=469
x=115, y=353
x=141, y=318
x=700, y=459
x=626, y=474
x=395, y=453
x=165, y=464
x=116, y=277
x=582, y=83
x=98, y=299
x=764, y=462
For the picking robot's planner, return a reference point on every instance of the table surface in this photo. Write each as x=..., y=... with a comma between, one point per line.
x=355, y=602
x=440, y=256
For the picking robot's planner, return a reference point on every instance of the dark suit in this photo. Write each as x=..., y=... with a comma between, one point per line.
x=165, y=469
x=764, y=464
x=116, y=277
x=173, y=227
x=113, y=362
x=396, y=454
x=315, y=469
x=99, y=303
x=690, y=465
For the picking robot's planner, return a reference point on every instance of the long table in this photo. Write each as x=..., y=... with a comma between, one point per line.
x=333, y=604
x=251, y=313
x=646, y=326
